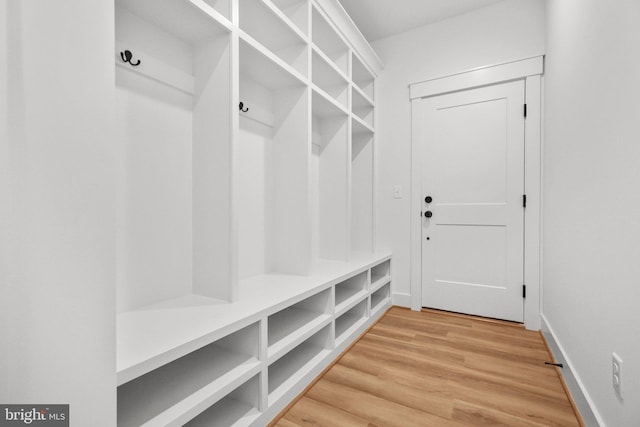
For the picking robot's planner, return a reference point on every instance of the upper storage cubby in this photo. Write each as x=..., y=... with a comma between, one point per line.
x=174, y=124
x=297, y=11
x=362, y=107
x=328, y=78
x=329, y=42
x=267, y=25
x=272, y=167
x=362, y=77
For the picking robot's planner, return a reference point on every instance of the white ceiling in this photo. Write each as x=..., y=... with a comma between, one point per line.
x=378, y=19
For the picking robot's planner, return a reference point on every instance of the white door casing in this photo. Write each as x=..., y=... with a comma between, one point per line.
x=473, y=169
x=530, y=70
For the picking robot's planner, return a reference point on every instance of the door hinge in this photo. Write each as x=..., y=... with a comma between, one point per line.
x=525, y=111
x=524, y=200
x=524, y=291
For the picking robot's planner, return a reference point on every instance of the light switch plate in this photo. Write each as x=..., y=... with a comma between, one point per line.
x=397, y=191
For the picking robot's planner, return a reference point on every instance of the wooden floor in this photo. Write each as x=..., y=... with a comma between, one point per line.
x=433, y=368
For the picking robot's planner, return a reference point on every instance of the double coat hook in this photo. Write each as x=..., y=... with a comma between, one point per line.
x=127, y=56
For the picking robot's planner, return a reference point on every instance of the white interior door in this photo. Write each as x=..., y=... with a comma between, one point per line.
x=473, y=170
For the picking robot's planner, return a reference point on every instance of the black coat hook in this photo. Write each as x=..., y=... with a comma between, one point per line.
x=241, y=106
x=127, y=56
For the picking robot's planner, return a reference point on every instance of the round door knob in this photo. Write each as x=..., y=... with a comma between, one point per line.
x=428, y=199
x=428, y=214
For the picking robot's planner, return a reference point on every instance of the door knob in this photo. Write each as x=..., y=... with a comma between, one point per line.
x=428, y=199
x=428, y=214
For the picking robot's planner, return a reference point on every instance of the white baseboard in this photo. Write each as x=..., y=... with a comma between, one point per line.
x=401, y=300
x=581, y=397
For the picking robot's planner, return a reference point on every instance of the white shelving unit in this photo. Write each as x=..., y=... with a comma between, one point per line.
x=246, y=246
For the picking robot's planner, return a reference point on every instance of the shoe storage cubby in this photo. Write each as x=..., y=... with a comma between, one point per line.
x=380, y=297
x=245, y=204
x=181, y=389
x=292, y=325
x=350, y=292
x=380, y=272
x=238, y=409
x=349, y=322
x=284, y=372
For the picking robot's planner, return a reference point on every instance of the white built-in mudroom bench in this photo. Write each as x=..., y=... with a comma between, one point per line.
x=246, y=254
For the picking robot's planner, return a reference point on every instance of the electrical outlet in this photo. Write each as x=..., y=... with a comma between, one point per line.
x=616, y=368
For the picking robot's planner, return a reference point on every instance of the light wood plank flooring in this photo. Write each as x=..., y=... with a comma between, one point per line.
x=434, y=368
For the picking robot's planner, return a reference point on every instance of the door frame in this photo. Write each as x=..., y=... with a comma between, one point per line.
x=530, y=70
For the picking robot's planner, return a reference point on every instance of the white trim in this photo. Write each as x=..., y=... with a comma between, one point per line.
x=533, y=211
x=530, y=71
x=401, y=300
x=477, y=77
x=583, y=401
x=352, y=34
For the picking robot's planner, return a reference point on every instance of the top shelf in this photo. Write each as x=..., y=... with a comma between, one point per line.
x=362, y=77
x=327, y=39
x=205, y=18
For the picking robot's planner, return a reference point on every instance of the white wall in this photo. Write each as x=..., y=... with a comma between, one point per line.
x=58, y=342
x=512, y=29
x=592, y=202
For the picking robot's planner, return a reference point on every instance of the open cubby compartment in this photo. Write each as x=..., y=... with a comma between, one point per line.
x=350, y=321
x=362, y=77
x=174, y=125
x=361, y=106
x=381, y=272
x=362, y=190
x=286, y=372
x=380, y=296
x=350, y=292
x=272, y=168
x=240, y=408
x=297, y=11
x=329, y=174
x=174, y=393
x=327, y=39
x=267, y=25
x=288, y=327
x=327, y=77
